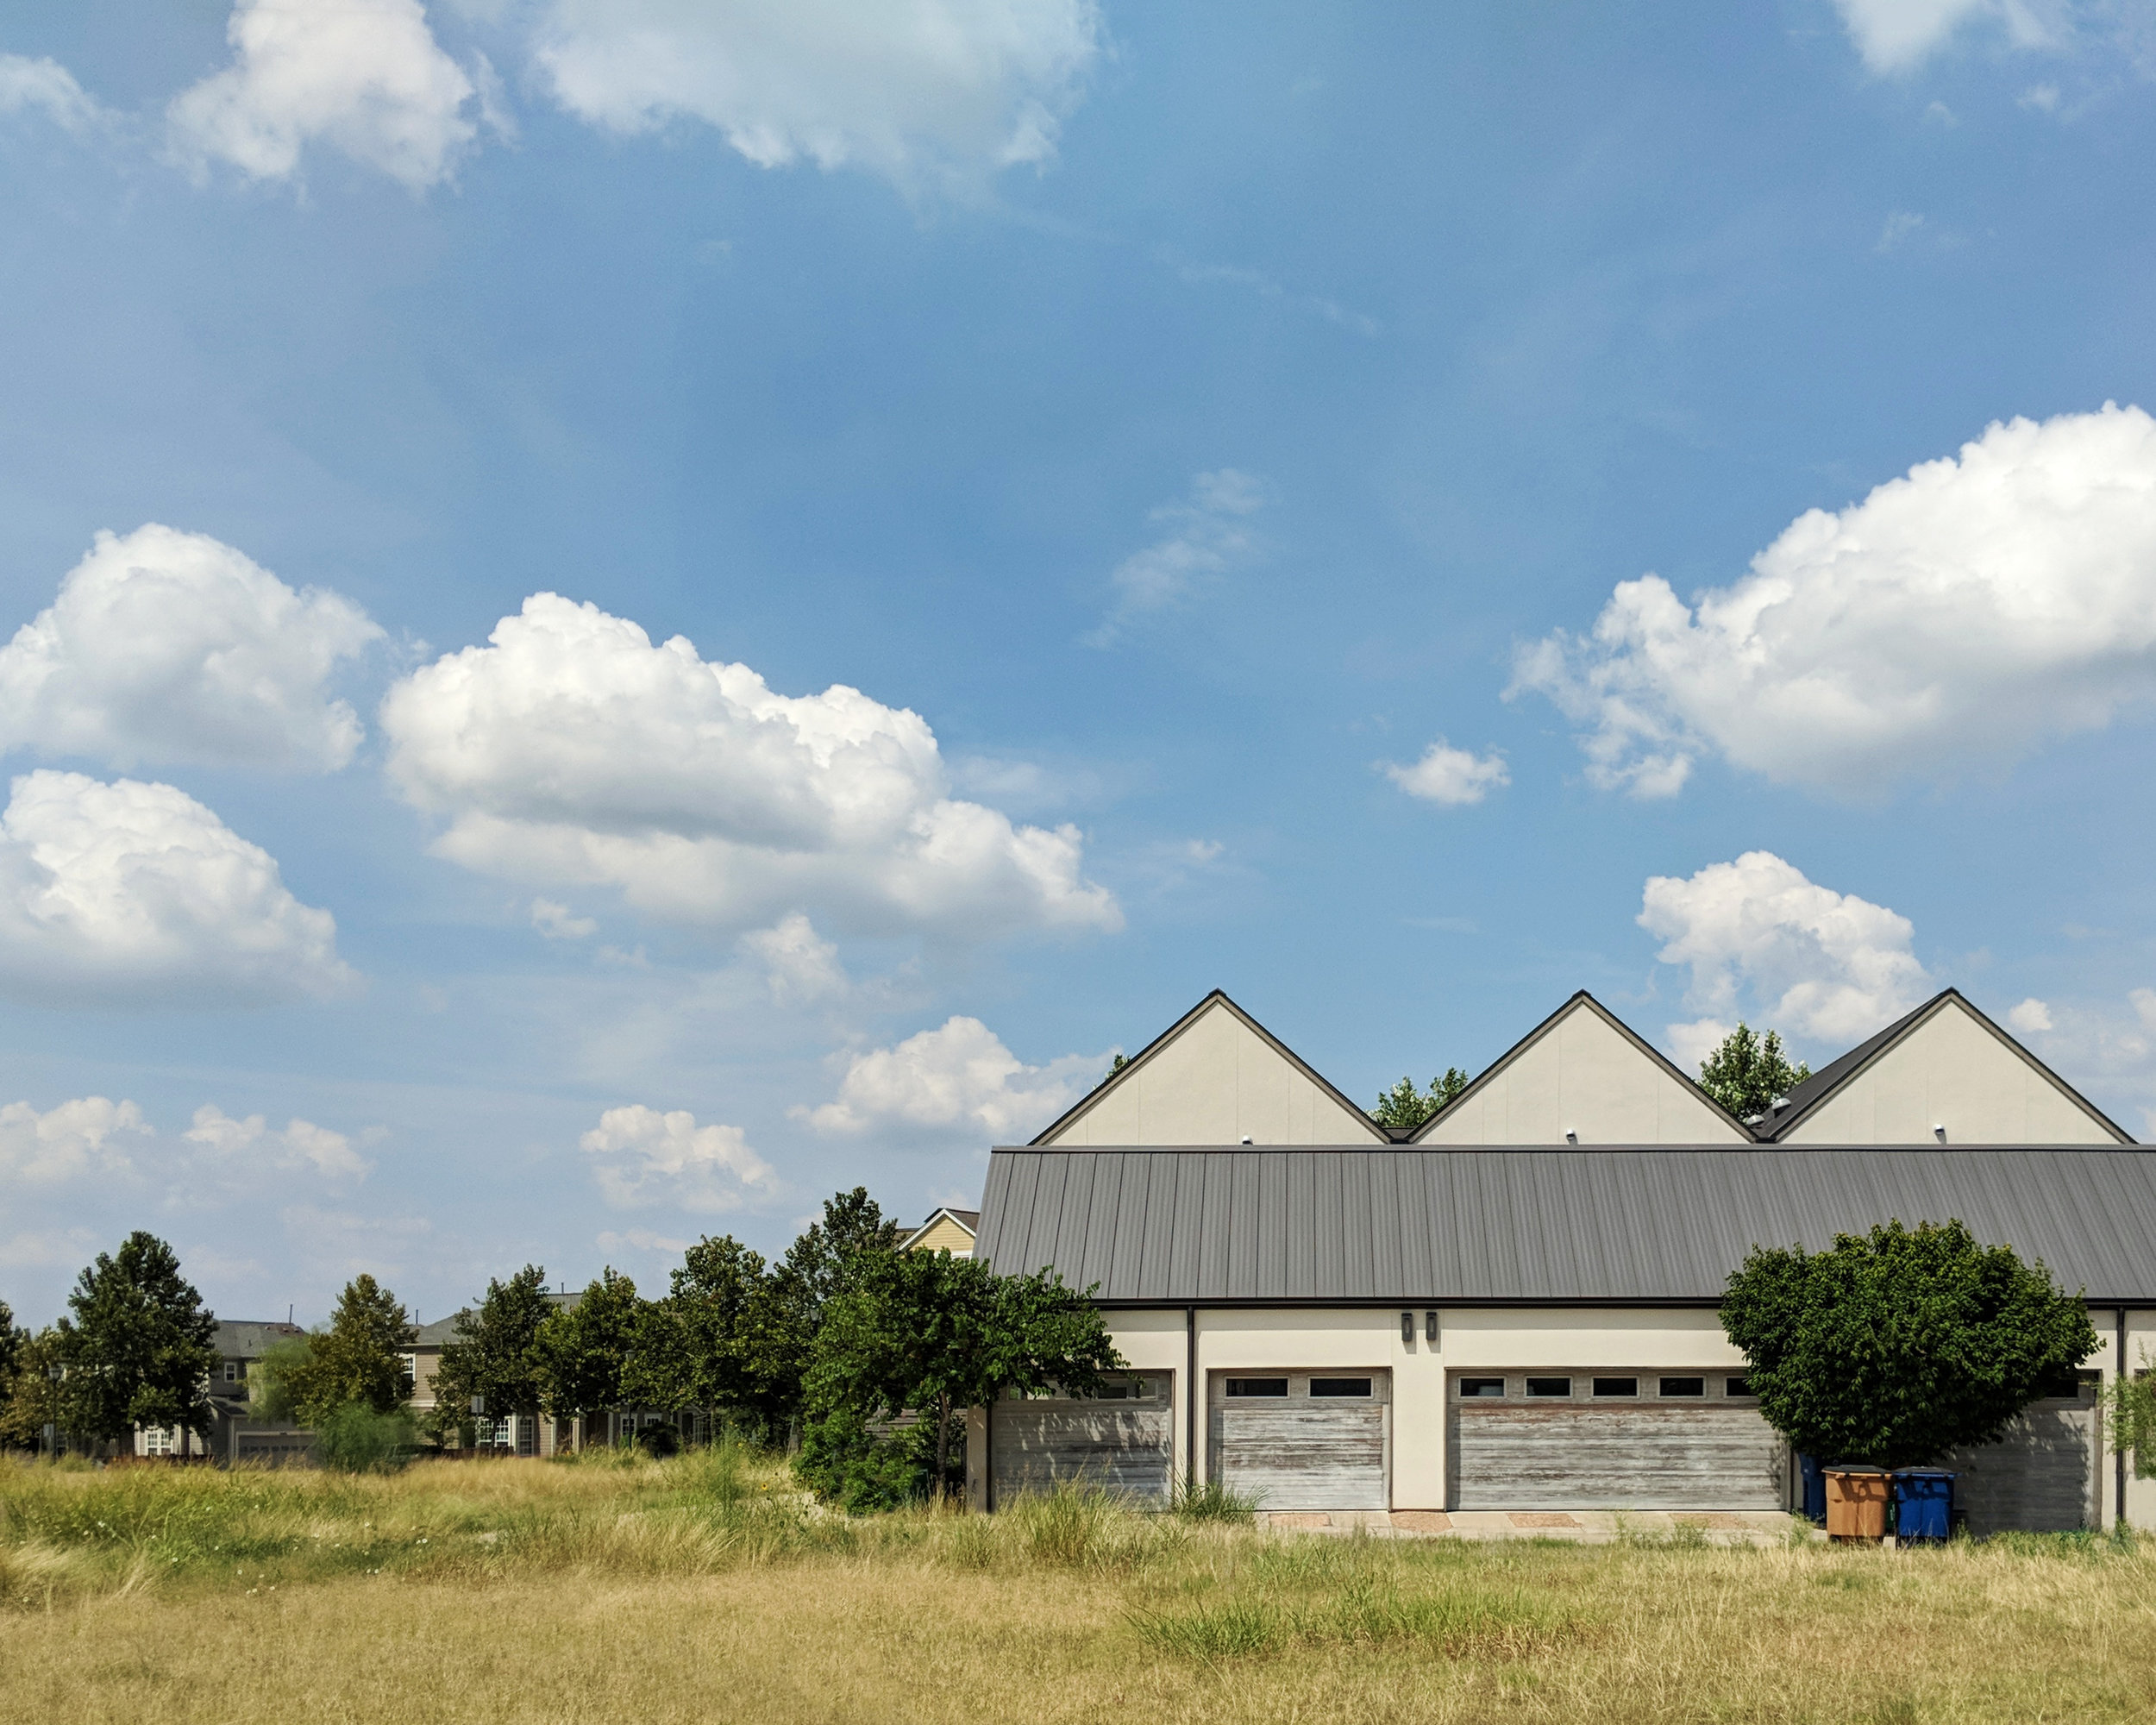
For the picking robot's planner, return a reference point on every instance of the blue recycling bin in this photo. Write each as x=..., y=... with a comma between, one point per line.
x=1923, y=1503
x=1814, y=1480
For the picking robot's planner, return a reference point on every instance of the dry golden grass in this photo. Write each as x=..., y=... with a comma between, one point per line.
x=705, y=1588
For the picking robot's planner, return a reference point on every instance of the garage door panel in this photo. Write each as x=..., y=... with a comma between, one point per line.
x=1575, y=1453
x=1034, y=1446
x=1303, y=1454
x=2040, y=1478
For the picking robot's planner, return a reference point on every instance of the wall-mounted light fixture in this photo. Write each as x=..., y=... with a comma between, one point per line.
x=1571, y=1137
x=1406, y=1329
x=1430, y=1327
x=1939, y=1132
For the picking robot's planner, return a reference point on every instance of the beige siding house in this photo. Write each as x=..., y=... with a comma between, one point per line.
x=947, y=1230
x=1515, y=1312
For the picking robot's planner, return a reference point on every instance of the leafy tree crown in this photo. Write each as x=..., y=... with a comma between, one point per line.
x=359, y=1359
x=1896, y=1346
x=1404, y=1106
x=138, y=1349
x=1748, y=1074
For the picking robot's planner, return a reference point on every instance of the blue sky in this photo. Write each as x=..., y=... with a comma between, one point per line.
x=1225, y=449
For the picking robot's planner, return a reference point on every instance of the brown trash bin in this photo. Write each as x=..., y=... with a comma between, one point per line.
x=1857, y=1503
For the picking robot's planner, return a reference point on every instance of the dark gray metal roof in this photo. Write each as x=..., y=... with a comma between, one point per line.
x=1536, y=1226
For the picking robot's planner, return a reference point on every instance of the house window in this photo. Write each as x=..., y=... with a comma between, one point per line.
x=1616, y=1386
x=232, y=1371
x=1472, y=1387
x=1550, y=1386
x=1340, y=1386
x=1258, y=1386
x=157, y=1440
x=1684, y=1386
x=411, y=1368
x=1737, y=1386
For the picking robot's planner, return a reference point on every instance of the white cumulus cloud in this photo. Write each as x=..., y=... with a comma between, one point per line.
x=920, y=90
x=2031, y=1017
x=365, y=77
x=1898, y=35
x=89, y=1137
x=1765, y=944
x=642, y=1157
x=799, y=964
x=250, y=1145
x=556, y=923
x=1452, y=777
x=1206, y=534
x=46, y=87
x=957, y=1075
x=1977, y=608
x=570, y=749
x=169, y=648
x=136, y=893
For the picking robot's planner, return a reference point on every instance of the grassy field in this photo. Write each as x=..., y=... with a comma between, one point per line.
x=704, y=1588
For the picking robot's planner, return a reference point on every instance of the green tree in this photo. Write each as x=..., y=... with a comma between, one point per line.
x=722, y=1339
x=2130, y=1408
x=272, y=1378
x=1749, y=1074
x=1899, y=1345
x=358, y=1360
x=1405, y=1107
x=138, y=1352
x=586, y=1350
x=38, y=1396
x=11, y=1342
x=494, y=1355
x=820, y=1265
x=933, y=1334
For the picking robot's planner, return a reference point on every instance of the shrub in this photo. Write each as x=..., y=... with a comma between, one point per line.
x=659, y=1441
x=354, y=1438
x=1899, y=1345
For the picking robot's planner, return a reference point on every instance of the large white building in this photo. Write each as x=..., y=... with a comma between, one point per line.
x=1515, y=1307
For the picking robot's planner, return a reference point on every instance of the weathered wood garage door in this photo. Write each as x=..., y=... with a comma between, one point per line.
x=1623, y=1440
x=1300, y=1440
x=2042, y=1477
x=1122, y=1441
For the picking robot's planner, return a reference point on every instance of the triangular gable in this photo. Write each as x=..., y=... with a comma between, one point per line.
x=947, y=1230
x=1583, y=1076
x=1215, y=1076
x=1943, y=1074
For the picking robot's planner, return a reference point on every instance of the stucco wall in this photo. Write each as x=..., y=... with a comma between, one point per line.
x=1583, y=1076
x=1950, y=1071
x=1369, y=1339
x=1218, y=1083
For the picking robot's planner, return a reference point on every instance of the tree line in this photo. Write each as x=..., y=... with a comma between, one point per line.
x=858, y=1357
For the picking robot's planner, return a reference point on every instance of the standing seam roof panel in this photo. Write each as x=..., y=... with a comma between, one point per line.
x=1645, y=1223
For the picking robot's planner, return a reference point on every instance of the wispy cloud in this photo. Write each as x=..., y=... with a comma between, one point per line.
x=1206, y=534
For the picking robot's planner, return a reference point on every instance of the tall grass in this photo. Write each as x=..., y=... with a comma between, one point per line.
x=705, y=1586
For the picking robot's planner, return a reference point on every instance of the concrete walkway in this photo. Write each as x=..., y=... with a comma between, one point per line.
x=1584, y=1527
